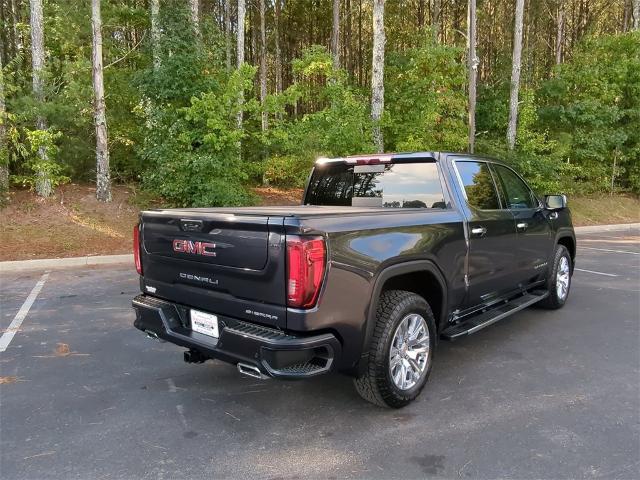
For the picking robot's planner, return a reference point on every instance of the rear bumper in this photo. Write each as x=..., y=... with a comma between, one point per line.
x=274, y=352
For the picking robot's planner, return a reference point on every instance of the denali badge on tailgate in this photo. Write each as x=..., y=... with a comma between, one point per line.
x=198, y=278
x=195, y=248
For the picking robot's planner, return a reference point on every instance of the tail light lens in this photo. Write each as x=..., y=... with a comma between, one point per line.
x=306, y=261
x=136, y=249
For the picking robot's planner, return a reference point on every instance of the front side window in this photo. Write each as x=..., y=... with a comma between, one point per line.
x=394, y=185
x=478, y=185
x=517, y=194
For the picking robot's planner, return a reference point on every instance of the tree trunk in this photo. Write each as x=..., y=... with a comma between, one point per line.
x=360, y=74
x=348, y=57
x=335, y=35
x=377, y=76
x=635, y=13
x=4, y=147
x=227, y=32
x=435, y=19
x=17, y=35
x=194, y=7
x=278, y=53
x=515, y=75
x=263, y=68
x=559, y=33
x=240, y=55
x=43, y=183
x=472, y=63
x=155, y=33
x=103, y=180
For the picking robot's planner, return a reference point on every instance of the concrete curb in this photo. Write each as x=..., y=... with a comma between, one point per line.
x=51, y=263
x=607, y=228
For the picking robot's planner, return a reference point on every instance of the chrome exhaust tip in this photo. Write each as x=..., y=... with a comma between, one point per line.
x=153, y=336
x=251, y=371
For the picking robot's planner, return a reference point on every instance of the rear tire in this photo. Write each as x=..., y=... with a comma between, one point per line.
x=401, y=351
x=558, y=279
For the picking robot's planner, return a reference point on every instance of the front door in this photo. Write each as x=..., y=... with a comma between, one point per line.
x=534, y=232
x=492, y=235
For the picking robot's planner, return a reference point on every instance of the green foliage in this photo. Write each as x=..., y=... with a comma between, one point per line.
x=592, y=108
x=425, y=99
x=38, y=144
x=340, y=124
x=193, y=151
x=173, y=127
x=287, y=171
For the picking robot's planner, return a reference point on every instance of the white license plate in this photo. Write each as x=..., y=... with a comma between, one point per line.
x=204, y=323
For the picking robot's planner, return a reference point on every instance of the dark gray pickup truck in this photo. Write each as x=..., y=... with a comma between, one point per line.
x=387, y=254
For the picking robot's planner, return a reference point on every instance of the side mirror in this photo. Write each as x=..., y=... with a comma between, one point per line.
x=555, y=202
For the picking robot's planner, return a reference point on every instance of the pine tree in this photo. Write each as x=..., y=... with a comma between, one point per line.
x=43, y=183
x=377, y=76
x=155, y=32
x=472, y=63
x=515, y=75
x=335, y=35
x=103, y=179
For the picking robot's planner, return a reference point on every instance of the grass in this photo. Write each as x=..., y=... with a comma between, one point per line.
x=604, y=209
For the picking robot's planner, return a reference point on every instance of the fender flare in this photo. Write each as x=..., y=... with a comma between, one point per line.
x=394, y=271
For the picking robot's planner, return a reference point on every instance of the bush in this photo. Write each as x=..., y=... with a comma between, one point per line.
x=425, y=99
x=287, y=171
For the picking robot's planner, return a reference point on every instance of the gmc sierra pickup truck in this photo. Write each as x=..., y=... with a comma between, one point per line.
x=387, y=254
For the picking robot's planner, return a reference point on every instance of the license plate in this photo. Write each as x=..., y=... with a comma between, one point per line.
x=204, y=323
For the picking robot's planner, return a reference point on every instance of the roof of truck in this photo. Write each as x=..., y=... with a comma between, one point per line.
x=402, y=156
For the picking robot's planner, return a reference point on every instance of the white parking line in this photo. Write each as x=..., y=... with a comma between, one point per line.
x=607, y=250
x=10, y=332
x=597, y=273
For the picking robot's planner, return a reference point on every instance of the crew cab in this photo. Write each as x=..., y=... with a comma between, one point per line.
x=387, y=254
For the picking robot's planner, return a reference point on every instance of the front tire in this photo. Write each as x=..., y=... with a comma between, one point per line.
x=401, y=350
x=559, y=279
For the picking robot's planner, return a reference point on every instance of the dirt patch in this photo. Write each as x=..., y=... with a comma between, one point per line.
x=72, y=223
x=270, y=196
x=604, y=209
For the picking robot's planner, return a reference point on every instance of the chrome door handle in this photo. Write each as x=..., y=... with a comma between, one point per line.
x=522, y=225
x=478, y=231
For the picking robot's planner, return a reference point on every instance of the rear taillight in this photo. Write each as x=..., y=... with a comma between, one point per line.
x=136, y=249
x=306, y=260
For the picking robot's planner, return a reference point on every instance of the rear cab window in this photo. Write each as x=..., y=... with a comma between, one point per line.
x=389, y=185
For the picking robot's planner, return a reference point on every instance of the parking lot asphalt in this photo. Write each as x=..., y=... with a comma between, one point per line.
x=541, y=394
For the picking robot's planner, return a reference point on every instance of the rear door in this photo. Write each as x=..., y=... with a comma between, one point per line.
x=534, y=231
x=492, y=234
x=222, y=263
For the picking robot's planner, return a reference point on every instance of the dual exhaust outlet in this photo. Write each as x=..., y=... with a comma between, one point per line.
x=251, y=371
x=193, y=356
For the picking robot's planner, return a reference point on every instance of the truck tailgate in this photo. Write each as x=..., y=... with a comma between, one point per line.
x=219, y=262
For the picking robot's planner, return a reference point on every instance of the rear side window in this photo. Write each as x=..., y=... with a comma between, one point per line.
x=396, y=185
x=517, y=194
x=478, y=185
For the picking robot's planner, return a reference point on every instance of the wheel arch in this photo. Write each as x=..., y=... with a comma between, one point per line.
x=422, y=277
x=570, y=244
